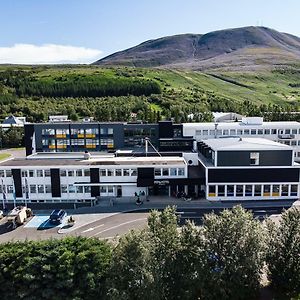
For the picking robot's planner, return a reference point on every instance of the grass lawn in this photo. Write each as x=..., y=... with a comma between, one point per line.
x=4, y=156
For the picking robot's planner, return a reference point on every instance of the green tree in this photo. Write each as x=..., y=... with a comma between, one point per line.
x=234, y=248
x=283, y=252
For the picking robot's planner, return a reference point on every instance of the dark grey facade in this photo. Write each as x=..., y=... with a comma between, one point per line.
x=266, y=158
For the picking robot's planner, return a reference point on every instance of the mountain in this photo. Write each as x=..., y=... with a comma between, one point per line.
x=239, y=48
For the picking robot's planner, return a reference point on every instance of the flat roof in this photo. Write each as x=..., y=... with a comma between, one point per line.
x=235, y=125
x=107, y=161
x=236, y=143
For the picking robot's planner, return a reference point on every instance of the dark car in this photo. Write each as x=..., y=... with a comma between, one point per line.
x=57, y=216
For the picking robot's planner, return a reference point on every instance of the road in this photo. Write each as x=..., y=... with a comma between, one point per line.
x=115, y=225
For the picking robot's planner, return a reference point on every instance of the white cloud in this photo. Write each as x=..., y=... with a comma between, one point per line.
x=47, y=54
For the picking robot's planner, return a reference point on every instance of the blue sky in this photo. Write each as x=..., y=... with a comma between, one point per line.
x=53, y=31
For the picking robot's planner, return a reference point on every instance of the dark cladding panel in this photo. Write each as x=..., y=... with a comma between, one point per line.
x=165, y=129
x=55, y=183
x=145, y=177
x=253, y=175
x=28, y=132
x=16, y=173
x=95, y=190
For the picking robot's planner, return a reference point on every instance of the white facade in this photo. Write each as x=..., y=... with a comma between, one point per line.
x=287, y=133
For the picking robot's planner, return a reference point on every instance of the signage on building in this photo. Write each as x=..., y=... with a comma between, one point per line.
x=161, y=182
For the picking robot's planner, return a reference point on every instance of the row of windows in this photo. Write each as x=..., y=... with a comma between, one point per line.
x=103, y=172
x=252, y=131
x=256, y=190
x=77, y=142
x=169, y=171
x=76, y=131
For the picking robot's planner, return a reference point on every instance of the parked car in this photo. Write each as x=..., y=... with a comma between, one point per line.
x=17, y=215
x=57, y=216
x=1, y=214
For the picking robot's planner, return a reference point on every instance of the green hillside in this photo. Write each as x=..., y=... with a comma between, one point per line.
x=151, y=94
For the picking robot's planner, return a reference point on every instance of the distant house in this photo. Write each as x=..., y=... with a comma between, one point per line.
x=226, y=117
x=13, y=121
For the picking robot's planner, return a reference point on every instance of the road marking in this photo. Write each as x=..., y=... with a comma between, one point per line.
x=116, y=226
x=92, y=228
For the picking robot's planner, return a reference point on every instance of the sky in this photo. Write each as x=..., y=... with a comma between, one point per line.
x=82, y=31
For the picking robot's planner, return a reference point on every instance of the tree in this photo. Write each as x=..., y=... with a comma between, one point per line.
x=283, y=252
x=234, y=251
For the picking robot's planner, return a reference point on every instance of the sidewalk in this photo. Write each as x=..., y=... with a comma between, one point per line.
x=162, y=203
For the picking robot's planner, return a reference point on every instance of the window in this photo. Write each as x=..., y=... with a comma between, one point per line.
x=293, y=143
x=173, y=172
x=253, y=131
x=63, y=173
x=79, y=173
x=232, y=132
x=221, y=190
x=239, y=132
x=102, y=189
x=118, y=172
x=198, y=132
x=260, y=131
x=32, y=189
x=70, y=173
x=87, y=172
x=254, y=158
x=288, y=131
x=64, y=189
x=24, y=173
x=72, y=189
x=48, y=188
x=133, y=172
x=10, y=189
x=267, y=190
x=165, y=172
x=126, y=172
x=275, y=190
x=212, y=132
x=180, y=172
x=39, y=173
x=205, y=132
x=294, y=131
x=87, y=189
x=230, y=190
x=248, y=190
x=47, y=173
x=31, y=173
x=257, y=190
x=239, y=190
x=1, y=173
x=212, y=190
x=225, y=132
x=8, y=173
x=102, y=172
x=79, y=189
x=284, y=190
x=110, y=189
x=267, y=131
x=41, y=189
x=294, y=190
x=157, y=172
x=274, y=131
x=246, y=131
x=110, y=172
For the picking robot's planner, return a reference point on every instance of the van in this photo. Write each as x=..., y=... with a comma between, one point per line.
x=18, y=215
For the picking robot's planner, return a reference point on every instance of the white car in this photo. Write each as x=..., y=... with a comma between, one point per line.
x=1, y=214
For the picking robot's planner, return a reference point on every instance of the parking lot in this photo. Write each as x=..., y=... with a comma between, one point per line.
x=101, y=225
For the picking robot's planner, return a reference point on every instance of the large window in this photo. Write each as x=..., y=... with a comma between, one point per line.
x=275, y=190
x=284, y=190
x=134, y=137
x=257, y=190
x=230, y=190
x=221, y=190
x=239, y=190
x=294, y=190
x=248, y=190
x=212, y=191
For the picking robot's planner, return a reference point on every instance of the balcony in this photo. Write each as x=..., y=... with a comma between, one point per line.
x=286, y=136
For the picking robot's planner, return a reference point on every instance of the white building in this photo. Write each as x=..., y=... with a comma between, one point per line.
x=287, y=133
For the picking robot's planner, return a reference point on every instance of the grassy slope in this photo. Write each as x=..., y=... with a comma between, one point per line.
x=262, y=87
